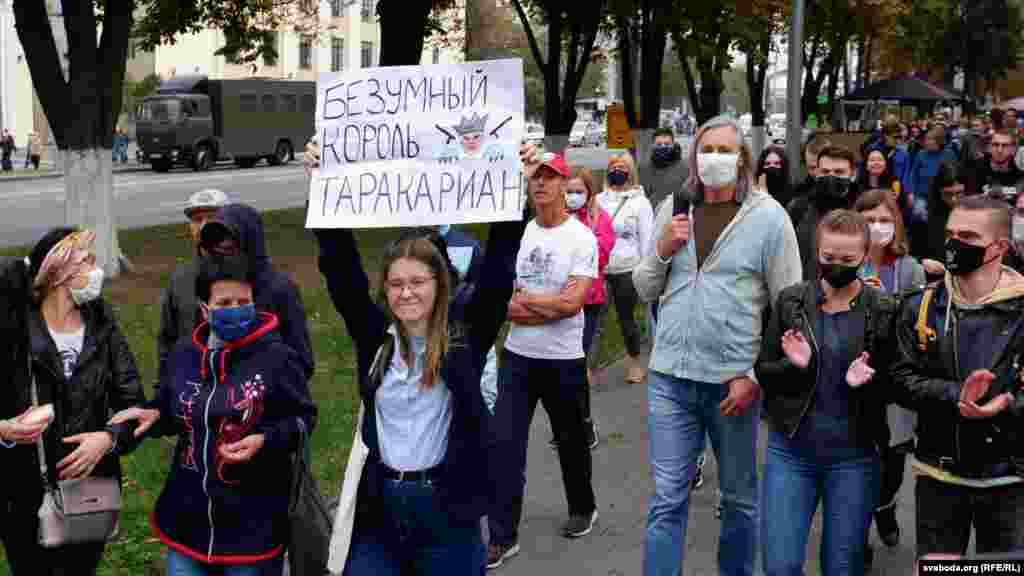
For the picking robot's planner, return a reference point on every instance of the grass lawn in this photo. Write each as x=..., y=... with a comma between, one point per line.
x=136, y=297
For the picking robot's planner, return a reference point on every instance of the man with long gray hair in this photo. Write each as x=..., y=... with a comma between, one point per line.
x=720, y=260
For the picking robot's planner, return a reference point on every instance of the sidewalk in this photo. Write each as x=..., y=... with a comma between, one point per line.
x=50, y=168
x=622, y=485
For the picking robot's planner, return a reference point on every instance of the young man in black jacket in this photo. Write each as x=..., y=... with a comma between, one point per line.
x=960, y=361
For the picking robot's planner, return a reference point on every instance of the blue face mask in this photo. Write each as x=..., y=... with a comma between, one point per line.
x=444, y=229
x=617, y=178
x=230, y=324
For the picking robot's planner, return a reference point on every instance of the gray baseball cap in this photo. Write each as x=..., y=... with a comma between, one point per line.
x=209, y=198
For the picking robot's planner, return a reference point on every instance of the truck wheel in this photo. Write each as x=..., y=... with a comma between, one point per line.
x=203, y=158
x=282, y=155
x=161, y=165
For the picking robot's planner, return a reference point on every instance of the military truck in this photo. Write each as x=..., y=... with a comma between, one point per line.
x=195, y=121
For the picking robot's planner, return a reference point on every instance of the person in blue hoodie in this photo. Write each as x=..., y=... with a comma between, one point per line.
x=919, y=180
x=236, y=397
x=238, y=229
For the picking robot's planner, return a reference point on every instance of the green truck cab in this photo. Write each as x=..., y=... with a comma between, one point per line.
x=195, y=121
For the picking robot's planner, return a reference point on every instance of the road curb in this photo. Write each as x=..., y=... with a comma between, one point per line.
x=52, y=175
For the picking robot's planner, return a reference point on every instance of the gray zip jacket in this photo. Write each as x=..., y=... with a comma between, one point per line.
x=710, y=319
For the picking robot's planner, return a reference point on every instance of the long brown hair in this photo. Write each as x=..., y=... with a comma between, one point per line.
x=878, y=197
x=422, y=250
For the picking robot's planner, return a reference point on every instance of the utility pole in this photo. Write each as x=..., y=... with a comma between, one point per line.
x=794, y=121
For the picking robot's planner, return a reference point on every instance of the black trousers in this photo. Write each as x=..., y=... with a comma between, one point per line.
x=946, y=513
x=522, y=382
x=894, y=462
x=18, y=531
x=623, y=294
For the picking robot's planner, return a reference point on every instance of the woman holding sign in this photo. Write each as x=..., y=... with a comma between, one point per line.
x=421, y=494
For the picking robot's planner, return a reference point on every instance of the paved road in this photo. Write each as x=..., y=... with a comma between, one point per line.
x=622, y=485
x=29, y=207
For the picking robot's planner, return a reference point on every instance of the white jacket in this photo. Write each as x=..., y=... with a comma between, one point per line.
x=634, y=228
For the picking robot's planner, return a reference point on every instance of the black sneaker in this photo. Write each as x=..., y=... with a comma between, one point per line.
x=592, y=438
x=579, y=525
x=497, y=554
x=698, y=478
x=887, y=526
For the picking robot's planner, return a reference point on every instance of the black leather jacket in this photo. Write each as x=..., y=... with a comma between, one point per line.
x=789, y=390
x=932, y=379
x=105, y=380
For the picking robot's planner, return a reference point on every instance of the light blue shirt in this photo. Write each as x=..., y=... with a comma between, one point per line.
x=412, y=422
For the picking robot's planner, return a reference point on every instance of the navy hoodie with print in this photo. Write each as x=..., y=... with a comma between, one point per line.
x=210, y=510
x=273, y=290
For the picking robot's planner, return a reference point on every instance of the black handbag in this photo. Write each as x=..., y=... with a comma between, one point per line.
x=309, y=519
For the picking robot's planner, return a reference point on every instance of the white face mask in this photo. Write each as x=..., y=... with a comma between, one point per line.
x=882, y=233
x=1017, y=229
x=575, y=200
x=91, y=291
x=717, y=170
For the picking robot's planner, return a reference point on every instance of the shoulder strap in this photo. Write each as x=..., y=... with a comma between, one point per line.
x=619, y=209
x=40, y=449
x=925, y=333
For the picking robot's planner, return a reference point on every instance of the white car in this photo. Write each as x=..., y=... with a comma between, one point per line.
x=578, y=134
x=534, y=134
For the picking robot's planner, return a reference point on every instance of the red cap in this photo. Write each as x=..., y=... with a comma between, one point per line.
x=556, y=162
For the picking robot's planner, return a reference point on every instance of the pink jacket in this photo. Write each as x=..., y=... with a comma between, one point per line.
x=605, y=242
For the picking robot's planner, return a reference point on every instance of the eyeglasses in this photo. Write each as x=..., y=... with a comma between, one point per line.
x=415, y=284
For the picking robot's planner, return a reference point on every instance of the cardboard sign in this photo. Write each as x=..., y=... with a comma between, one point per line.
x=419, y=145
x=620, y=136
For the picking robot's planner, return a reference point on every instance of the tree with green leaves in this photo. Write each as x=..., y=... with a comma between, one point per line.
x=703, y=35
x=570, y=31
x=756, y=26
x=641, y=27
x=83, y=106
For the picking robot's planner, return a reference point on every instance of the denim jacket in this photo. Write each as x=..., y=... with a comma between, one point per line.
x=710, y=319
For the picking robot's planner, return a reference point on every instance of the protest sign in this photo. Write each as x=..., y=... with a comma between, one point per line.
x=419, y=146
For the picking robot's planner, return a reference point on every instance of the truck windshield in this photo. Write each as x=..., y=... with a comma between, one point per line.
x=162, y=109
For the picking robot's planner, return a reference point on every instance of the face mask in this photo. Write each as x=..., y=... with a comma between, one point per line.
x=575, y=200
x=444, y=229
x=230, y=324
x=963, y=258
x=882, y=233
x=663, y=154
x=717, y=170
x=617, y=178
x=92, y=290
x=1018, y=229
x=833, y=188
x=838, y=275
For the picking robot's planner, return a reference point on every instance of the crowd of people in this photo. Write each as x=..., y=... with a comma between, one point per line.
x=866, y=314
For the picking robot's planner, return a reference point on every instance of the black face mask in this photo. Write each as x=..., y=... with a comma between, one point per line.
x=963, y=258
x=775, y=180
x=838, y=275
x=833, y=190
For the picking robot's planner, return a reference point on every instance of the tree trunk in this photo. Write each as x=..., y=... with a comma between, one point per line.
x=89, y=184
x=626, y=57
x=654, y=38
x=82, y=111
x=402, y=27
x=756, y=71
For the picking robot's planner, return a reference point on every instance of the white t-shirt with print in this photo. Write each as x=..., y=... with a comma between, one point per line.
x=69, y=347
x=547, y=258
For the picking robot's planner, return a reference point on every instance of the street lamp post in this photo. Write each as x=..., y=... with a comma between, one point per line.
x=794, y=133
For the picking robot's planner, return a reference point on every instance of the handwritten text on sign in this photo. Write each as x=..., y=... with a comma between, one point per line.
x=419, y=145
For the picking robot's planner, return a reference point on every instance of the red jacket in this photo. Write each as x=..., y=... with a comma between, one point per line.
x=605, y=235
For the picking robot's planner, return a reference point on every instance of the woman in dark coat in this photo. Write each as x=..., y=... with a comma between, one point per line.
x=57, y=330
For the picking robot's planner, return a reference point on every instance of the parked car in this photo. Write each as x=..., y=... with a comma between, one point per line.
x=534, y=134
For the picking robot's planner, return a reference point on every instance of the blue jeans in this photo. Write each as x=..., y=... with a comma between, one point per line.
x=796, y=480
x=417, y=536
x=180, y=565
x=680, y=413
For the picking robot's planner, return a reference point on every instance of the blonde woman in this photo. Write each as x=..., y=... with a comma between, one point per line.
x=633, y=221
